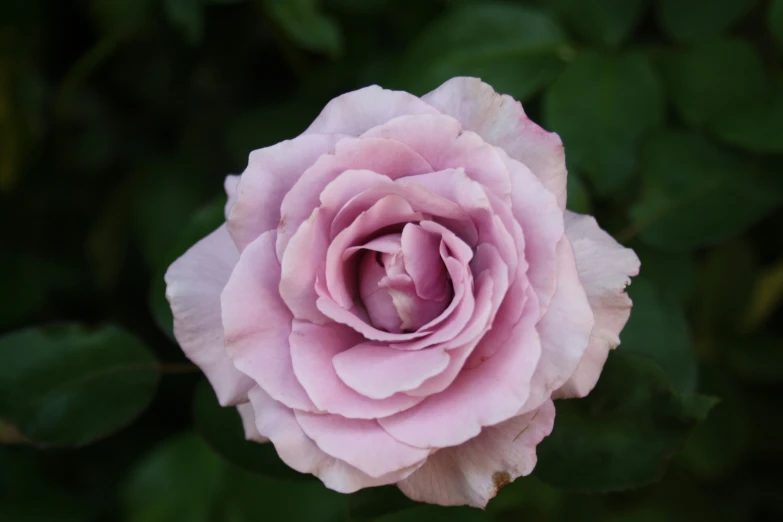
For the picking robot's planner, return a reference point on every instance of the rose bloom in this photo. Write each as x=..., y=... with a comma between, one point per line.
x=398, y=294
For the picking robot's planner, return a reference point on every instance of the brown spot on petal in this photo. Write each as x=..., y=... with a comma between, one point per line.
x=500, y=479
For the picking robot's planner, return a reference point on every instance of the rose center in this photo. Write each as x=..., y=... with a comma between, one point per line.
x=404, y=285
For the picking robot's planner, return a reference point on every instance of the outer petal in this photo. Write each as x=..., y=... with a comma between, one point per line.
x=355, y=112
x=501, y=121
x=541, y=220
x=564, y=329
x=269, y=176
x=258, y=324
x=474, y=472
x=248, y=417
x=193, y=286
x=361, y=443
x=605, y=268
x=277, y=422
x=230, y=184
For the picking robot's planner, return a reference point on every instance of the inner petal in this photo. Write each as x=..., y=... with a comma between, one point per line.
x=388, y=271
x=421, y=257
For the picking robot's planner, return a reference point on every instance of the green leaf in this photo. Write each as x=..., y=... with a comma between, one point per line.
x=202, y=223
x=658, y=329
x=179, y=480
x=622, y=435
x=529, y=495
x=165, y=196
x=515, y=49
x=222, y=430
x=718, y=445
x=721, y=301
x=120, y=16
x=30, y=280
x=370, y=503
x=602, y=106
x=257, y=128
x=672, y=272
x=757, y=128
x=578, y=196
x=30, y=493
x=754, y=358
x=438, y=514
x=714, y=79
x=187, y=16
x=692, y=20
x=69, y=385
x=775, y=20
x=603, y=22
x=183, y=480
x=251, y=498
x=766, y=297
x=306, y=25
x=696, y=194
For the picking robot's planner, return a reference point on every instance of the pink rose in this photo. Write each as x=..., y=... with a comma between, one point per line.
x=398, y=293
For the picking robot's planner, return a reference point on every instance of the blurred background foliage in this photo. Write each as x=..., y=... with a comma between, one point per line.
x=120, y=118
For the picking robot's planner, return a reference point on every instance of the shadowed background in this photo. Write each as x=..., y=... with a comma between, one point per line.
x=119, y=120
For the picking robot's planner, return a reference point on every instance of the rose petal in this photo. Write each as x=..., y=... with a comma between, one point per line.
x=269, y=176
x=414, y=312
x=359, y=442
x=462, y=345
x=378, y=372
x=388, y=211
x=482, y=396
x=258, y=324
x=541, y=219
x=421, y=256
x=193, y=286
x=298, y=451
x=444, y=210
x=458, y=187
x=301, y=263
x=605, y=268
x=355, y=112
x=473, y=473
x=230, y=184
x=376, y=299
x=386, y=157
x=456, y=315
x=312, y=349
x=501, y=121
x=248, y=417
x=388, y=244
x=564, y=329
x=442, y=141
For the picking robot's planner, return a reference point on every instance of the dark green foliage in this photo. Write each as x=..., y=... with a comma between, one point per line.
x=66, y=385
x=700, y=19
x=517, y=49
x=620, y=436
x=119, y=120
x=222, y=429
x=602, y=107
x=693, y=196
